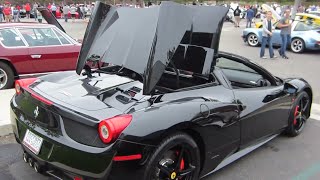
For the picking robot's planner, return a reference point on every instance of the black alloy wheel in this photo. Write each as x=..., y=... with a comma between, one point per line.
x=176, y=158
x=299, y=114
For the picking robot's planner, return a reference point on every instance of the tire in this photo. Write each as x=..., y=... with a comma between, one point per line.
x=6, y=76
x=252, y=40
x=297, y=45
x=299, y=114
x=166, y=163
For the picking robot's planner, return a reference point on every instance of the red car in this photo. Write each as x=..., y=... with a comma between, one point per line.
x=59, y=14
x=30, y=48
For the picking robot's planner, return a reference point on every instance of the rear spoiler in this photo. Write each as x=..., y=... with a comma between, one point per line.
x=49, y=17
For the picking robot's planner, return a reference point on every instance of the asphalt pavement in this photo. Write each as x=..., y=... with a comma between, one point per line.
x=280, y=159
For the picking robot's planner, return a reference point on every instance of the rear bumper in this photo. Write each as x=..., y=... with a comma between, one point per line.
x=68, y=158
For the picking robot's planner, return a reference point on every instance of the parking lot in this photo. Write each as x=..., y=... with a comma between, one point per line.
x=281, y=159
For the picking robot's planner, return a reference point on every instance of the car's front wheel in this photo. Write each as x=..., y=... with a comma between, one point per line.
x=6, y=76
x=177, y=157
x=252, y=39
x=299, y=114
x=297, y=45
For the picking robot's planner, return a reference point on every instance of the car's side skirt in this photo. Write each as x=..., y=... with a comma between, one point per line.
x=240, y=154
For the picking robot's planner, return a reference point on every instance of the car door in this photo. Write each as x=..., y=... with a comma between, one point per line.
x=50, y=51
x=15, y=50
x=264, y=103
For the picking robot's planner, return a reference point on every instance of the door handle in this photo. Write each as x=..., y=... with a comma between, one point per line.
x=35, y=56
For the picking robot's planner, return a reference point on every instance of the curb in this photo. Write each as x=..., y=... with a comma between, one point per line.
x=5, y=129
x=5, y=122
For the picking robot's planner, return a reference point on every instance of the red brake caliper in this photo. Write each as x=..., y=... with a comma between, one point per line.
x=182, y=164
x=182, y=161
x=296, y=112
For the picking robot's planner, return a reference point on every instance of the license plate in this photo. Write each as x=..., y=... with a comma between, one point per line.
x=32, y=142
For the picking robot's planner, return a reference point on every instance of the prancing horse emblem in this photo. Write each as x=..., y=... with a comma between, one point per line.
x=36, y=112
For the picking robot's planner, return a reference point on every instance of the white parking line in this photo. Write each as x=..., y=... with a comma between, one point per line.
x=315, y=111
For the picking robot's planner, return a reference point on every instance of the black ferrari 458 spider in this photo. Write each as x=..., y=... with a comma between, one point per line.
x=169, y=105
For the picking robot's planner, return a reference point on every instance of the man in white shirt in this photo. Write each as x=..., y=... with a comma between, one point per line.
x=73, y=11
x=267, y=36
x=54, y=10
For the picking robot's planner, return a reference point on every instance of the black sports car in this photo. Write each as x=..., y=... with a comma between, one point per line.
x=168, y=106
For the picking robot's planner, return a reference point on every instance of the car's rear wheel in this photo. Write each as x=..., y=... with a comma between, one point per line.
x=299, y=114
x=252, y=39
x=6, y=76
x=177, y=157
x=297, y=45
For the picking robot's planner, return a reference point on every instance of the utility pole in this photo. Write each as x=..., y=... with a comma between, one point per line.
x=295, y=8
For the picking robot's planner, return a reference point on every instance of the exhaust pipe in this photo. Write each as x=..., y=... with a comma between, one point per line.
x=30, y=160
x=33, y=163
x=37, y=167
x=25, y=157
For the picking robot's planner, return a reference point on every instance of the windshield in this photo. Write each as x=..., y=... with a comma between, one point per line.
x=306, y=26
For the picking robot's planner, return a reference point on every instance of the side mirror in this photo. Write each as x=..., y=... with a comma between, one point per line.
x=290, y=88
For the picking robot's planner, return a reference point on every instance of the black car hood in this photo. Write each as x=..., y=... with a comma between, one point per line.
x=145, y=40
x=49, y=17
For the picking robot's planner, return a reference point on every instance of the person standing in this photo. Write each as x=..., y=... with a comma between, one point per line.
x=35, y=11
x=267, y=36
x=54, y=10
x=73, y=11
x=250, y=15
x=79, y=11
x=83, y=14
x=65, y=11
x=15, y=13
x=285, y=33
x=7, y=13
x=236, y=15
x=28, y=8
x=61, y=11
x=19, y=10
x=1, y=13
x=39, y=16
x=255, y=12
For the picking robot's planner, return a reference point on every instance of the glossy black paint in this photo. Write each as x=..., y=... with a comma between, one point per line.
x=154, y=37
x=221, y=119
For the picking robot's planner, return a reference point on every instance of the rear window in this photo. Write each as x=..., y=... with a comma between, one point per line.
x=10, y=38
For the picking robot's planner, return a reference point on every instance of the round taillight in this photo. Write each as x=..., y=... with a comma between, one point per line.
x=110, y=129
x=23, y=83
x=17, y=86
x=104, y=132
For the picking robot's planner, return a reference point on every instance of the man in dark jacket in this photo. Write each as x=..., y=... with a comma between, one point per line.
x=250, y=15
x=236, y=14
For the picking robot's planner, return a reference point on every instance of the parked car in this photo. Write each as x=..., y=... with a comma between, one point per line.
x=304, y=35
x=29, y=48
x=308, y=17
x=171, y=105
x=59, y=14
